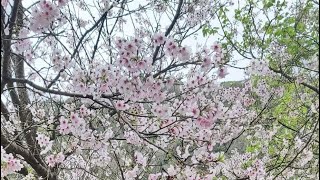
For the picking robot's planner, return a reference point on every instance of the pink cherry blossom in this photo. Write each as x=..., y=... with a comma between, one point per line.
x=159, y=39
x=121, y=105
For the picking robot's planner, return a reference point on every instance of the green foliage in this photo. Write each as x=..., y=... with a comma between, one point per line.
x=268, y=4
x=206, y=30
x=221, y=158
x=232, y=84
x=294, y=29
x=253, y=147
x=247, y=164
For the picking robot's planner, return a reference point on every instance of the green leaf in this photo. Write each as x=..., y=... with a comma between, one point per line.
x=278, y=32
x=291, y=20
x=301, y=27
x=221, y=158
x=291, y=31
x=269, y=4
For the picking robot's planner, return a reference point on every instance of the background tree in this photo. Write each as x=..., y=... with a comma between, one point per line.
x=285, y=35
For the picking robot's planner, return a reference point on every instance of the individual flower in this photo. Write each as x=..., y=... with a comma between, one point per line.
x=50, y=160
x=121, y=105
x=222, y=72
x=216, y=47
x=159, y=38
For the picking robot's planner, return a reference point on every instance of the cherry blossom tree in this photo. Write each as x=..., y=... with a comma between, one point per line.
x=115, y=90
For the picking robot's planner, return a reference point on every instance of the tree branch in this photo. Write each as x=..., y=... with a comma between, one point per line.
x=28, y=157
x=292, y=79
x=175, y=18
x=43, y=89
x=7, y=44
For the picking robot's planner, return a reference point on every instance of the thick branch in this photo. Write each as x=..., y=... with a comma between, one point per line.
x=292, y=79
x=28, y=157
x=43, y=89
x=7, y=45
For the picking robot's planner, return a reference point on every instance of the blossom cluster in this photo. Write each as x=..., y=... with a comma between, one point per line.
x=52, y=160
x=9, y=164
